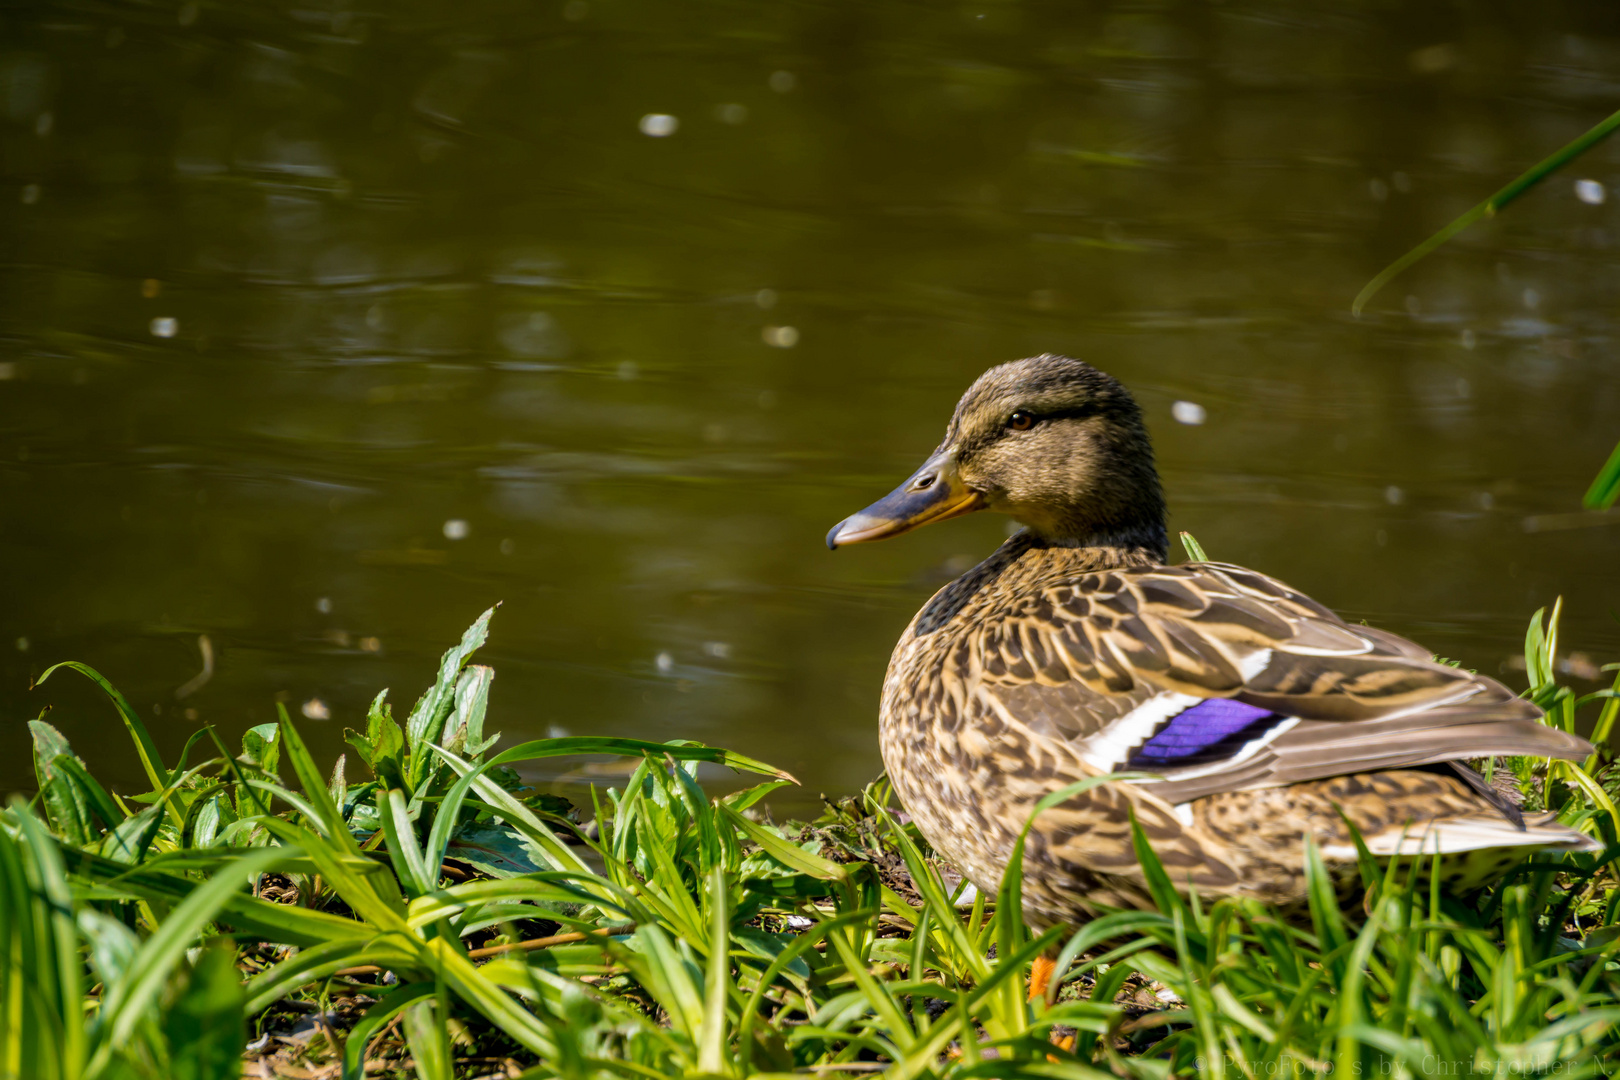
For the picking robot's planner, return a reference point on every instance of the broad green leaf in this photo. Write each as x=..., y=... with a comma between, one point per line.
x=72, y=809
x=428, y=717
x=128, y=843
x=261, y=746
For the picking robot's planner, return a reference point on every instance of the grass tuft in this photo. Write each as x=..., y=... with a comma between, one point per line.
x=440, y=919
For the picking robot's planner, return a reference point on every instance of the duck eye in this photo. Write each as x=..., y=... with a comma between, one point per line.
x=1020, y=421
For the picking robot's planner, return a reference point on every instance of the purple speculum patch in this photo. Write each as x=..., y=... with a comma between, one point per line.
x=1208, y=731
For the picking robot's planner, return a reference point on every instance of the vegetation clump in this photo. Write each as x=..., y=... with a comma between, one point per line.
x=254, y=915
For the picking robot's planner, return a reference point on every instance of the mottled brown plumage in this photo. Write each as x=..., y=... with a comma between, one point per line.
x=1074, y=651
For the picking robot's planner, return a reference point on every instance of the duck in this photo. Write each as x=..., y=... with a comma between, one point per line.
x=1243, y=718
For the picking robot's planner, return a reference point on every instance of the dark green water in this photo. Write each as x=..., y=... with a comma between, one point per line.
x=286, y=290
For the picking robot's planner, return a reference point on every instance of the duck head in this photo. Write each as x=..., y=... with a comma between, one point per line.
x=1050, y=441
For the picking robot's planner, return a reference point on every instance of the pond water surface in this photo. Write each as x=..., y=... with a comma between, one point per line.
x=324, y=327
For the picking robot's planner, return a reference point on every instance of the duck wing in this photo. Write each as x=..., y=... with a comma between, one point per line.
x=1217, y=678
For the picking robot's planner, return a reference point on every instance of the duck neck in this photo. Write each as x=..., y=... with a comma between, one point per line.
x=1106, y=549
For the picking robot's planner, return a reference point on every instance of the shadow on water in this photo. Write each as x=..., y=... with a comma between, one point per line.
x=323, y=328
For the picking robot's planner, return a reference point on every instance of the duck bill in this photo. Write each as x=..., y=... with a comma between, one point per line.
x=932, y=493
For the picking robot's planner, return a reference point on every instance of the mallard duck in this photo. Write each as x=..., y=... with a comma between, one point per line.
x=1252, y=714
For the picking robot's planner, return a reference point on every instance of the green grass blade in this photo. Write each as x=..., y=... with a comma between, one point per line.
x=1324, y=903
x=204, y=1027
x=680, y=751
x=784, y=851
x=1195, y=550
x=307, y=965
x=717, y=989
x=156, y=774
x=129, y=1003
x=1515, y=188
x=368, y=888
x=55, y=946
x=427, y=1034
x=328, y=818
x=386, y=1008
x=1605, y=487
x=673, y=986
x=1159, y=885
x=403, y=851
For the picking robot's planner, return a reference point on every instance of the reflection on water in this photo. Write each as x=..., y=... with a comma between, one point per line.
x=323, y=328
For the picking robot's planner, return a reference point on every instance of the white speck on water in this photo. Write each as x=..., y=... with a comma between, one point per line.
x=1394, y=495
x=1413, y=305
x=1402, y=182
x=731, y=113
x=664, y=662
x=22, y=644
x=30, y=194
x=720, y=650
x=43, y=124
x=659, y=125
x=456, y=529
x=1532, y=299
x=1378, y=189
x=765, y=299
x=1590, y=192
x=165, y=327
x=557, y=731
x=8, y=370
x=1464, y=390
x=1485, y=500
x=508, y=546
x=324, y=605
x=1189, y=412
x=780, y=337
x=315, y=709
x=628, y=370
x=1467, y=340
x=783, y=82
